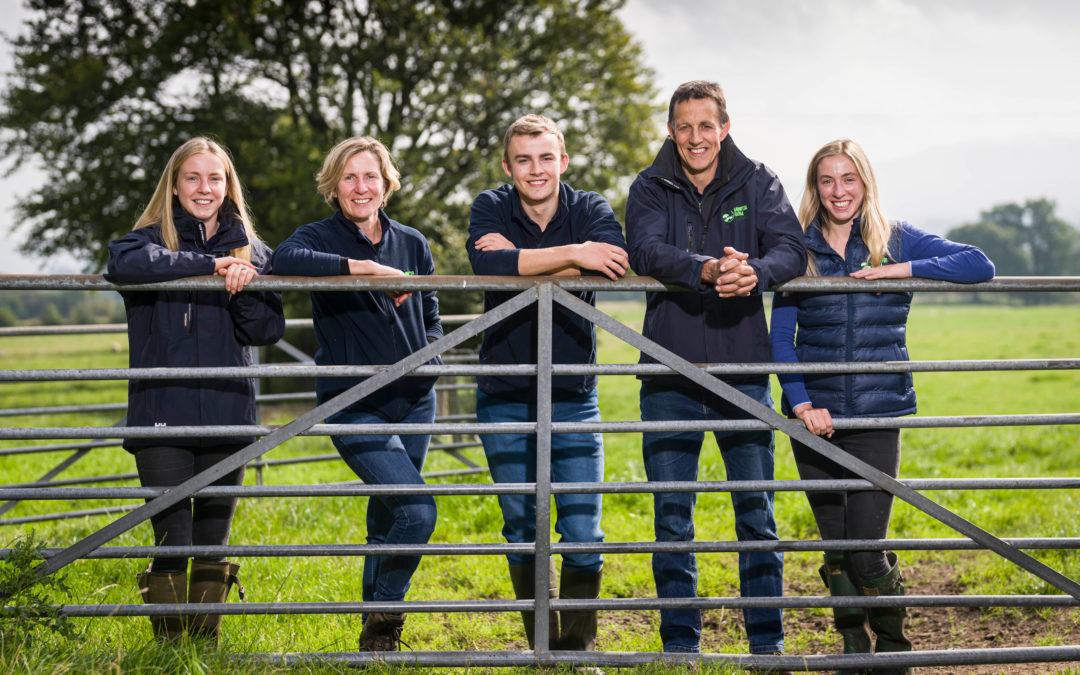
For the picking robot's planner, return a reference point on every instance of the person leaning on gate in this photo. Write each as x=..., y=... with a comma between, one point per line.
x=705, y=217
x=538, y=225
x=196, y=223
x=847, y=234
x=373, y=328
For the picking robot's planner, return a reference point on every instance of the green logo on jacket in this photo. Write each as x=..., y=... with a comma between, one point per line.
x=737, y=212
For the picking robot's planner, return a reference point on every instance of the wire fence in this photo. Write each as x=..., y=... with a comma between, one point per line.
x=545, y=293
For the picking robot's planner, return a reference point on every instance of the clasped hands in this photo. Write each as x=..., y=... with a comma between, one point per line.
x=731, y=275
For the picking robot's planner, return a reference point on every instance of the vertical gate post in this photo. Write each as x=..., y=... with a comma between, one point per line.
x=543, y=469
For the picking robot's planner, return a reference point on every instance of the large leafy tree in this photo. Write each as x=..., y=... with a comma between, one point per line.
x=103, y=90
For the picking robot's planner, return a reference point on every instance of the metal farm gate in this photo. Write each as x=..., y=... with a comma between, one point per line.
x=543, y=291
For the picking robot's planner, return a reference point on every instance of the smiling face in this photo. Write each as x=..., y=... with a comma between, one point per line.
x=840, y=189
x=201, y=186
x=535, y=163
x=360, y=189
x=696, y=129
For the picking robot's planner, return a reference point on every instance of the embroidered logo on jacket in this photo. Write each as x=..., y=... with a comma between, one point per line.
x=737, y=212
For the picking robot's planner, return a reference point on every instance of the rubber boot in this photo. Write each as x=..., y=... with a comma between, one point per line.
x=578, y=629
x=210, y=583
x=888, y=622
x=850, y=621
x=523, y=579
x=164, y=588
x=382, y=632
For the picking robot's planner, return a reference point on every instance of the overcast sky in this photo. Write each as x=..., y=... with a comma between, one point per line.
x=961, y=104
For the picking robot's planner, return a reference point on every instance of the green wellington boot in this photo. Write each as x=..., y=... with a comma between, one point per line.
x=850, y=621
x=888, y=622
x=523, y=579
x=578, y=629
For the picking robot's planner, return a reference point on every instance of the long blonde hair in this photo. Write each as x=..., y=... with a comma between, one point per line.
x=875, y=229
x=159, y=211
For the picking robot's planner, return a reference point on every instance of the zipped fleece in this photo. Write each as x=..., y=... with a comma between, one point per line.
x=861, y=327
x=177, y=329
x=363, y=328
x=670, y=239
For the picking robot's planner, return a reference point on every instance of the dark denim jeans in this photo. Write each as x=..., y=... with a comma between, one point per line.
x=747, y=455
x=392, y=519
x=574, y=458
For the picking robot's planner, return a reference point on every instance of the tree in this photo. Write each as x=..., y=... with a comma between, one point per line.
x=103, y=90
x=1025, y=240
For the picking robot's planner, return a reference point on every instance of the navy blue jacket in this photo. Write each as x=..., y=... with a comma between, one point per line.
x=191, y=328
x=671, y=240
x=581, y=217
x=863, y=327
x=363, y=328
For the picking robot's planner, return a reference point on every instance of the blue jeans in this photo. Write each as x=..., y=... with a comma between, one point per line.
x=396, y=519
x=574, y=458
x=747, y=455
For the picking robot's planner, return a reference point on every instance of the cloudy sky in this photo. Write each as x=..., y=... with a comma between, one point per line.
x=961, y=104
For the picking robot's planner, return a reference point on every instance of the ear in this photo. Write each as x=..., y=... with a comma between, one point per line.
x=725, y=129
x=174, y=189
x=564, y=162
x=506, y=167
x=670, y=132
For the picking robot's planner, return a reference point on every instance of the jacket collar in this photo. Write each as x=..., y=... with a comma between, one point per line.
x=348, y=225
x=668, y=166
x=230, y=233
x=815, y=238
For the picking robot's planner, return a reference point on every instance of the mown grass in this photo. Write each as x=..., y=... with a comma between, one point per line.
x=935, y=332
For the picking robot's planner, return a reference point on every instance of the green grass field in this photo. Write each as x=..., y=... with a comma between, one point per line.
x=935, y=332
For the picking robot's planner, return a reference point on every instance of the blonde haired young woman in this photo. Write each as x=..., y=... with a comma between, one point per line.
x=848, y=235
x=196, y=224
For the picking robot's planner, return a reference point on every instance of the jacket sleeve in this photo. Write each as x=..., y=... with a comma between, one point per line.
x=141, y=257
x=934, y=257
x=257, y=316
x=484, y=218
x=432, y=323
x=782, y=323
x=781, y=241
x=651, y=254
x=303, y=255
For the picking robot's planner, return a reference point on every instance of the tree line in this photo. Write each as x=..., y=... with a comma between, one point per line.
x=102, y=91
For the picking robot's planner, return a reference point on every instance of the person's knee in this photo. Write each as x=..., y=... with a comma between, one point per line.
x=754, y=519
x=419, y=518
x=674, y=522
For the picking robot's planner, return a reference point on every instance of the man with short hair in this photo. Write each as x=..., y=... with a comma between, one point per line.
x=707, y=218
x=539, y=226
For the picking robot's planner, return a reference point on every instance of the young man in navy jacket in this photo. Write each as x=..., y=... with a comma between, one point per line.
x=707, y=218
x=539, y=226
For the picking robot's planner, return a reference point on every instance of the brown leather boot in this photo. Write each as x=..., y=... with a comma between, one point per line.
x=164, y=588
x=382, y=633
x=210, y=583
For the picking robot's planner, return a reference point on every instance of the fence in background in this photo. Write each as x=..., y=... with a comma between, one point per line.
x=545, y=292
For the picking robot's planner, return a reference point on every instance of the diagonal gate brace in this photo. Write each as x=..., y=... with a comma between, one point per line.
x=798, y=431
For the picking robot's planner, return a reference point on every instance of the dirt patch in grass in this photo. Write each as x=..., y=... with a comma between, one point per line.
x=930, y=628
